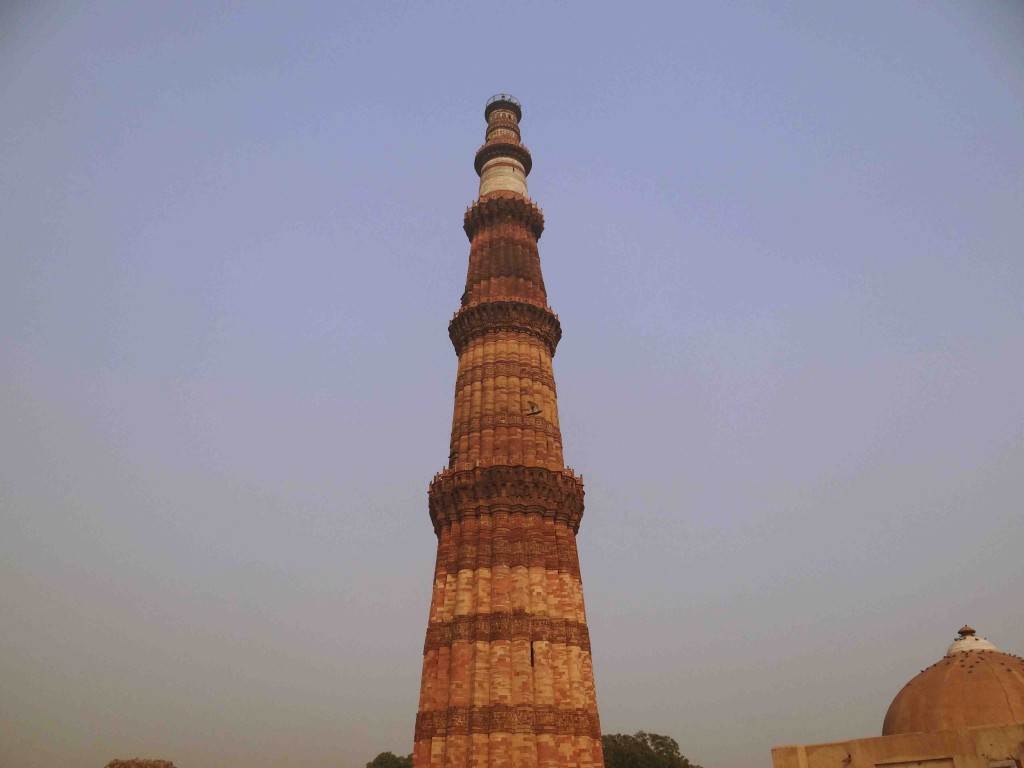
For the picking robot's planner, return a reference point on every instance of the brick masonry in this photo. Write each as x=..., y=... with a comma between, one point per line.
x=508, y=679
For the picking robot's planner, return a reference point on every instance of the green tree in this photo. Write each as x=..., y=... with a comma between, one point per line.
x=642, y=750
x=390, y=760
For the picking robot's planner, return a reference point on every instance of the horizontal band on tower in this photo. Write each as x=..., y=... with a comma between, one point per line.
x=503, y=208
x=475, y=373
x=454, y=496
x=520, y=420
x=517, y=316
x=504, y=123
x=499, y=718
x=489, y=627
x=493, y=149
x=501, y=257
x=512, y=543
x=511, y=553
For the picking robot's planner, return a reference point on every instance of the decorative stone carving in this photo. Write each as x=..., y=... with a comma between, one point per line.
x=503, y=208
x=522, y=420
x=498, y=718
x=488, y=627
x=472, y=322
x=525, y=371
x=454, y=496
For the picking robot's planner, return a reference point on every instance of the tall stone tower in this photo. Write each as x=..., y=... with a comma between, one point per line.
x=508, y=680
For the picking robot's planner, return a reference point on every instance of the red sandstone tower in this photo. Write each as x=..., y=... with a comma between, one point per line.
x=508, y=680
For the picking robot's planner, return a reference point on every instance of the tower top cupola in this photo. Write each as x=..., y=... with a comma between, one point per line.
x=503, y=162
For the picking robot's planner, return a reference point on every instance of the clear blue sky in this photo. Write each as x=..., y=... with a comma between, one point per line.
x=785, y=244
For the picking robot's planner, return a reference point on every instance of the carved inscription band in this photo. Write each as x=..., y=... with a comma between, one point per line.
x=506, y=258
x=512, y=545
x=501, y=208
x=526, y=371
x=488, y=627
x=521, y=420
x=470, y=322
x=499, y=718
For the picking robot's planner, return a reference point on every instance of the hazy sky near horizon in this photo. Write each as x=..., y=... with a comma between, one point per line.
x=785, y=245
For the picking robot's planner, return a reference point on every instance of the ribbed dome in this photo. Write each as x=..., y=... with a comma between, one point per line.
x=972, y=685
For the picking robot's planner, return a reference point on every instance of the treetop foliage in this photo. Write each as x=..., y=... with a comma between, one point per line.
x=642, y=750
x=390, y=760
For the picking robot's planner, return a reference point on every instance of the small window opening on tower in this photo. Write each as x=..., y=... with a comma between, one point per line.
x=531, y=653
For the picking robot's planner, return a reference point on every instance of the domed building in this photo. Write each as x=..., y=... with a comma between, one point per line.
x=972, y=685
x=964, y=711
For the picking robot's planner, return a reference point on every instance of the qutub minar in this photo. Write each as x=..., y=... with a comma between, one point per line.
x=508, y=680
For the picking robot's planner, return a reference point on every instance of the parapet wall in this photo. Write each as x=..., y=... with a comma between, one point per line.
x=984, y=747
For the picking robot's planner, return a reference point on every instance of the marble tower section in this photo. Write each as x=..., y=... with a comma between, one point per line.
x=508, y=680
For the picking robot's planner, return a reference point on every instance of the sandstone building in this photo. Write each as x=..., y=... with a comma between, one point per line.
x=507, y=675
x=964, y=711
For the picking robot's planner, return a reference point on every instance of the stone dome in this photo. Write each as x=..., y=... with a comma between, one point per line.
x=972, y=685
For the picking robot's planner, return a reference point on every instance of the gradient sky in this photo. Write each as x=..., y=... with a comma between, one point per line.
x=785, y=245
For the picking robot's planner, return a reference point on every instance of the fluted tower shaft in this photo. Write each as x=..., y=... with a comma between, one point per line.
x=508, y=679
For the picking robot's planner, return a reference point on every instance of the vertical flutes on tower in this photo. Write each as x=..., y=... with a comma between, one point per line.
x=508, y=680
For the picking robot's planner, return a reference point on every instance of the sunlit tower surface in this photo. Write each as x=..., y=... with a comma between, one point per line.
x=508, y=679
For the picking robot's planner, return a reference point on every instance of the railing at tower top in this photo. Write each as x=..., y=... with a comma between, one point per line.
x=503, y=97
